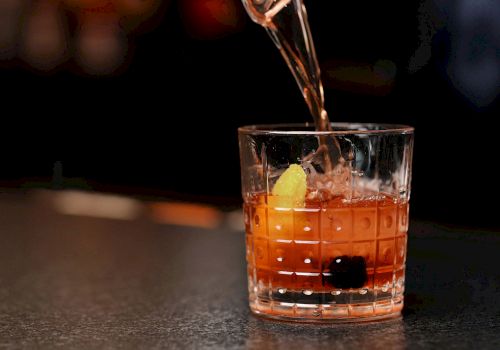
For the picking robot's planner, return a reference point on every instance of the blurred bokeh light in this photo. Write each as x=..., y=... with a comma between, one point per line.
x=44, y=39
x=210, y=19
x=41, y=33
x=10, y=17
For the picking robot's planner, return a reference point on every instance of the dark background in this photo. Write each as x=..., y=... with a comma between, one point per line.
x=165, y=125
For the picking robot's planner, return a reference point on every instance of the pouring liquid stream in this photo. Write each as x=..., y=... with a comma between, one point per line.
x=287, y=24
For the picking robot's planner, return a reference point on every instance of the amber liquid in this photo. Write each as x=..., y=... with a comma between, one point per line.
x=290, y=252
x=287, y=24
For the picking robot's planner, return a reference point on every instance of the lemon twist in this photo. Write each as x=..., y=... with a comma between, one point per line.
x=290, y=189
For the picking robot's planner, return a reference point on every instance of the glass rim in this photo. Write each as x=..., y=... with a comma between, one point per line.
x=346, y=129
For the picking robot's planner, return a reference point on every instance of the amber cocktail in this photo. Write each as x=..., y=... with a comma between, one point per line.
x=326, y=242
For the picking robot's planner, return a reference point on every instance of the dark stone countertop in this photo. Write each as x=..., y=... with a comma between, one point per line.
x=74, y=282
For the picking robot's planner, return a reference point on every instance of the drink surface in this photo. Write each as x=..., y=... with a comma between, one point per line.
x=328, y=259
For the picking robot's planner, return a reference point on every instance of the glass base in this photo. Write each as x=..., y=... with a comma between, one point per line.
x=327, y=313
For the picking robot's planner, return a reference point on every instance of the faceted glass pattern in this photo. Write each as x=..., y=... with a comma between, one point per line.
x=290, y=265
x=291, y=252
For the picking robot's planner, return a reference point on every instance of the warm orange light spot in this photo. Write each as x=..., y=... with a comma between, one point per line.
x=224, y=11
x=186, y=214
x=209, y=19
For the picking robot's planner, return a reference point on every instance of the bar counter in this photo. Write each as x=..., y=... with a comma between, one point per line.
x=73, y=281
